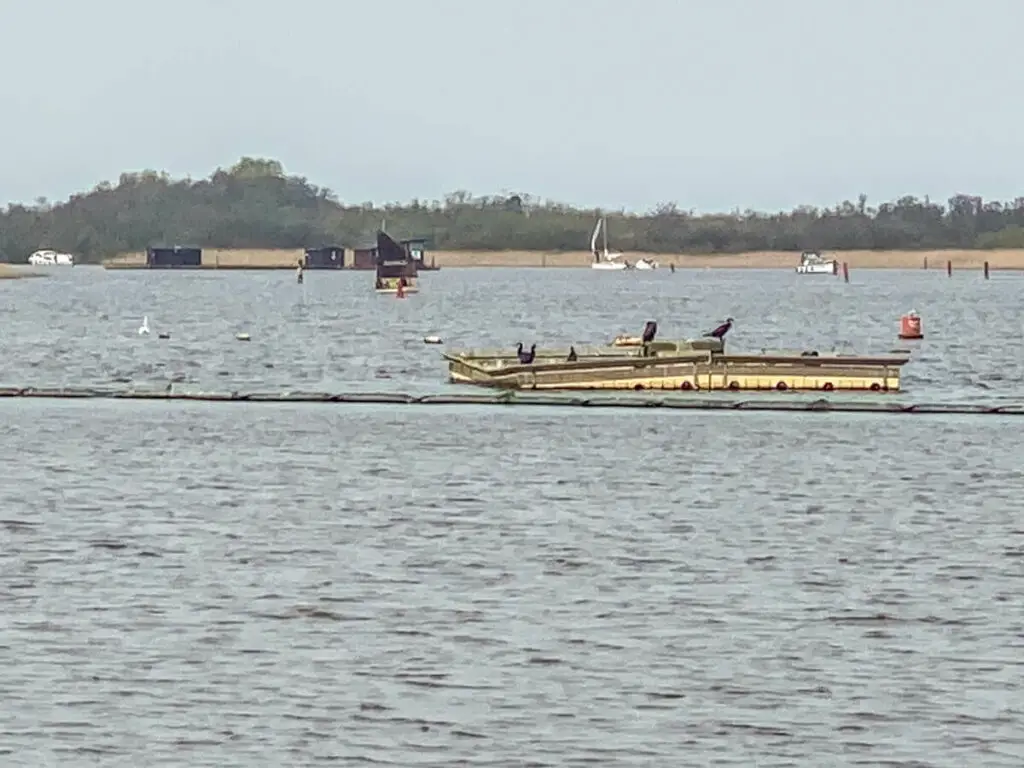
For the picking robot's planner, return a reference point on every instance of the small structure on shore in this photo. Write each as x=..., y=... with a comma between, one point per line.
x=364, y=255
x=174, y=257
x=325, y=257
x=417, y=248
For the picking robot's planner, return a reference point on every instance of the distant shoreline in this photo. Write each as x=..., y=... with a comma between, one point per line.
x=1005, y=259
x=964, y=259
x=16, y=272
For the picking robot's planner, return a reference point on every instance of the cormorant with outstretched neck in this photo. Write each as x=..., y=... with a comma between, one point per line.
x=526, y=357
x=650, y=331
x=720, y=331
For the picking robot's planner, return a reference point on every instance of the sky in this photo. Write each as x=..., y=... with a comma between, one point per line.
x=712, y=104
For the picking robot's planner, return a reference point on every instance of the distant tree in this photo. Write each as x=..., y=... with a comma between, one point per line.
x=255, y=204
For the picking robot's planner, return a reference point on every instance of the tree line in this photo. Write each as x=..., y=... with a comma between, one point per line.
x=255, y=204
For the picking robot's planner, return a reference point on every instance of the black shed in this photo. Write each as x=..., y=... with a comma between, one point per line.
x=175, y=257
x=325, y=257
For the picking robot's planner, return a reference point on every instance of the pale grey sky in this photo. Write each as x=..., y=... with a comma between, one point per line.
x=714, y=104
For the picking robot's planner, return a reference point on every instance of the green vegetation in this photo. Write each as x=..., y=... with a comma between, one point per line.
x=255, y=205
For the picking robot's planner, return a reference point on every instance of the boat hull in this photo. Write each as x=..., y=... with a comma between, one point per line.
x=609, y=266
x=644, y=264
x=817, y=269
x=392, y=290
x=47, y=258
x=691, y=372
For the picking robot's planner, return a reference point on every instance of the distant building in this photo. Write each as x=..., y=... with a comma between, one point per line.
x=417, y=248
x=364, y=255
x=325, y=257
x=174, y=257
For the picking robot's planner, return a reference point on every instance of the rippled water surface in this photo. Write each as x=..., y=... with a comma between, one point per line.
x=78, y=327
x=196, y=584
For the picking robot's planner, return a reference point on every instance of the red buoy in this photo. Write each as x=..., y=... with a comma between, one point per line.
x=910, y=326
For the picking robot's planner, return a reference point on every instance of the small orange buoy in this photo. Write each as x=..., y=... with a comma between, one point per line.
x=910, y=326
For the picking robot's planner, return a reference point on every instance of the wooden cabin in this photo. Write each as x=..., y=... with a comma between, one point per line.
x=325, y=257
x=417, y=248
x=364, y=255
x=174, y=257
x=395, y=267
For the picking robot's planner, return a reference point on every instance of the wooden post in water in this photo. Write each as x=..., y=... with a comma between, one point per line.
x=925, y=262
x=986, y=270
x=846, y=272
x=949, y=268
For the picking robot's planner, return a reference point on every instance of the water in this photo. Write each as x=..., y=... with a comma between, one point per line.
x=195, y=584
x=78, y=328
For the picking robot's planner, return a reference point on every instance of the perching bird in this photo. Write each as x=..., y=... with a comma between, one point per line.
x=572, y=355
x=650, y=331
x=526, y=357
x=720, y=331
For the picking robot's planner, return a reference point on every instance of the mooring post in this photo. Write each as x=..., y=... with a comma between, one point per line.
x=986, y=270
x=949, y=268
x=846, y=272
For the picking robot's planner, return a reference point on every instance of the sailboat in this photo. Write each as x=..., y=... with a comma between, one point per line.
x=603, y=259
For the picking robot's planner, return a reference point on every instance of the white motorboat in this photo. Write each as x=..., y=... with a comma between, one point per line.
x=813, y=263
x=646, y=264
x=604, y=259
x=50, y=258
x=614, y=265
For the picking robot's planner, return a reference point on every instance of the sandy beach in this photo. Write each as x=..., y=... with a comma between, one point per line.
x=12, y=272
x=1005, y=259
x=964, y=259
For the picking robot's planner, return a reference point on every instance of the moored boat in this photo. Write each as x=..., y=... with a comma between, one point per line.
x=50, y=258
x=396, y=269
x=698, y=364
x=813, y=263
x=605, y=259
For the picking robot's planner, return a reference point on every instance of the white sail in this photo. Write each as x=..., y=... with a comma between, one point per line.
x=593, y=239
x=604, y=259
